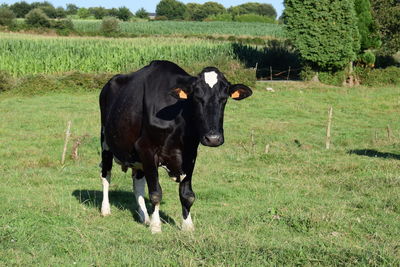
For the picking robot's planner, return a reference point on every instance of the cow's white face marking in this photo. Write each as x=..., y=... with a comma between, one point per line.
x=187, y=224
x=140, y=185
x=211, y=78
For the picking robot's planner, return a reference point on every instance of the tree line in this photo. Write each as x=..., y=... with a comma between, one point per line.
x=165, y=10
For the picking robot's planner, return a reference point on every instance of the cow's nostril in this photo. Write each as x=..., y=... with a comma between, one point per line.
x=213, y=140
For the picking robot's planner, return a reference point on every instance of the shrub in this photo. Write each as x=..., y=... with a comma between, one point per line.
x=6, y=17
x=62, y=24
x=161, y=18
x=367, y=58
x=110, y=26
x=37, y=18
x=6, y=81
x=378, y=77
x=220, y=17
x=254, y=18
x=336, y=78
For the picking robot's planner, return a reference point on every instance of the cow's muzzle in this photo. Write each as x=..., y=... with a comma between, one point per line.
x=212, y=139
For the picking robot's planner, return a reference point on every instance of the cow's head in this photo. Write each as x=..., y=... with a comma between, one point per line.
x=208, y=93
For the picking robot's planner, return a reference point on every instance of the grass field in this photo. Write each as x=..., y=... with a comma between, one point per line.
x=22, y=54
x=188, y=28
x=299, y=204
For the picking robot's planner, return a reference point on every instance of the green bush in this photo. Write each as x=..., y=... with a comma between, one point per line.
x=110, y=26
x=378, y=77
x=307, y=73
x=62, y=24
x=37, y=18
x=220, y=17
x=253, y=18
x=367, y=58
x=6, y=17
x=40, y=84
x=6, y=81
x=336, y=78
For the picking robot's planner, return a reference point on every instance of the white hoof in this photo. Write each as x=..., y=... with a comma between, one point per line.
x=155, y=227
x=187, y=224
x=105, y=210
x=187, y=227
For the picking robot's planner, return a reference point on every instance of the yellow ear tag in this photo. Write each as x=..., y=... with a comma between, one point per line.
x=182, y=94
x=235, y=94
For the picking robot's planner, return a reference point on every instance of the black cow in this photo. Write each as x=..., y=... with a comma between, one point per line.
x=155, y=117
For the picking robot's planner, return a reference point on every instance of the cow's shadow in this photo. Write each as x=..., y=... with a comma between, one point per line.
x=122, y=200
x=374, y=154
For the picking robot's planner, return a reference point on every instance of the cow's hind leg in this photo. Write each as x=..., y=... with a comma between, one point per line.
x=139, y=182
x=106, y=166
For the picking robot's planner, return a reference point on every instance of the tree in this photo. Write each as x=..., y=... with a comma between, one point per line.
x=124, y=13
x=387, y=15
x=142, y=13
x=98, y=12
x=324, y=32
x=367, y=26
x=20, y=9
x=37, y=18
x=212, y=8
x=193, y=12
x=254, y=8
x=83, y=13
x=6, y=16
x=72, y=9
x=171, y=9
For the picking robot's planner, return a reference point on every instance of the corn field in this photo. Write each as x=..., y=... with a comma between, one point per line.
x=188, y=28
x=29, y=54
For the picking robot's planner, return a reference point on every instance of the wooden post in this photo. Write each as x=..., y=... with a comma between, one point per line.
x=252, y=141
x=287, y=78
x=328, y=129
x=389, y=132
x=67, y=135
x=270, y=73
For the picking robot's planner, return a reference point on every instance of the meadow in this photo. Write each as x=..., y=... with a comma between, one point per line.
x=298, y=204
x=187, y=28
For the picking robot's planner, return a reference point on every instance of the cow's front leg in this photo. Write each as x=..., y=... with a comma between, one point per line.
x=186, y=194
x=139, y=182
x=155, y=194
x=187, y=198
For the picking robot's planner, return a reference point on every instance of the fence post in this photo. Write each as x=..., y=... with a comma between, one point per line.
x=270, y=72
x=287, y=79
x=328, y=129
x=67, y=135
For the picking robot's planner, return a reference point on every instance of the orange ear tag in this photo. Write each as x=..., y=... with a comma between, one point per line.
x=235, y=94
x=182, y=94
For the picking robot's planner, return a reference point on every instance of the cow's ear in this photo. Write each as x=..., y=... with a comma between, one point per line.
x=180, y=93
x=183, y=88
x=239, y=91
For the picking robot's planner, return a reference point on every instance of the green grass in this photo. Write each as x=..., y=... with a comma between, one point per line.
x=31, y=54
x=187, y=28
x=296, y=205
